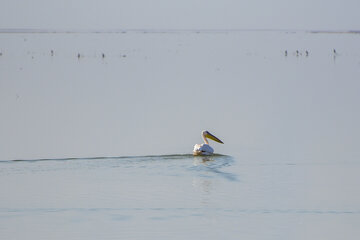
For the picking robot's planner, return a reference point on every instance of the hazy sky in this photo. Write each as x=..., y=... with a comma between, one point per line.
x=258, y=14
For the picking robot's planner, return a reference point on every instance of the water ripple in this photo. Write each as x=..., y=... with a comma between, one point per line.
x=214, y=164
x=170, y=165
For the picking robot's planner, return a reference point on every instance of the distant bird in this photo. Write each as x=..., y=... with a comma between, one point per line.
x=78, y=55
x=285, y=52
x=335, y=54
x=307, y=53
x=297, y=52
x=103, y=55
x=52, y=52
x=205, y=149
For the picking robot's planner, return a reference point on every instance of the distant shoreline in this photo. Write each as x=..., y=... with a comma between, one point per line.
x=123, y=31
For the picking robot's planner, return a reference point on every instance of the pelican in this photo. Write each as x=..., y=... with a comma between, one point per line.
x=205, y=149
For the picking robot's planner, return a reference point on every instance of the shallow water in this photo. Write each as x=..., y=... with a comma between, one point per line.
x=177, y=196
x=288, y=168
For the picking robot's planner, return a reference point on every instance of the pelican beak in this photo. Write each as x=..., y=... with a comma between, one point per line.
x=212, y=137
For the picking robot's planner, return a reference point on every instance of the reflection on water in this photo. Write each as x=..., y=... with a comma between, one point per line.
x=214, y=164
x=205, y=187
x=209, y=167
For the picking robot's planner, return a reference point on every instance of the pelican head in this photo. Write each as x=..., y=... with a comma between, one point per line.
x=205, y=149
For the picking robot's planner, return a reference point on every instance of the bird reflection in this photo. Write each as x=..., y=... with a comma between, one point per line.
x=209, y=173
x=204, y=187
x=202, y=160
x=213, y=164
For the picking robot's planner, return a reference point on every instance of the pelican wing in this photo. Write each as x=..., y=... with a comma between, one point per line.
x=203, y=149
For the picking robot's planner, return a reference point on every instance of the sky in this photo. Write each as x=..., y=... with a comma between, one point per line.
x=194, y=14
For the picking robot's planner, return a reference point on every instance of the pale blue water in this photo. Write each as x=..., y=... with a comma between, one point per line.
x=288, y=169
x=177, y=196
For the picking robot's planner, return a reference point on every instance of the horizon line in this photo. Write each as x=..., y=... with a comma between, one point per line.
x=166, y=30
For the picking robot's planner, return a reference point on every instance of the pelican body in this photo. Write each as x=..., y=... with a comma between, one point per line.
x=205, y=149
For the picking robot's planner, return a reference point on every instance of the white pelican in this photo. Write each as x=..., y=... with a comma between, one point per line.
x=205, y=149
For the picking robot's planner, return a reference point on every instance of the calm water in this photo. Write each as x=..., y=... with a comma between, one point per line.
x=288, y=169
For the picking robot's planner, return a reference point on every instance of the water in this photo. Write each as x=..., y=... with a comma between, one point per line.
x=99, y=146
x=177, y=196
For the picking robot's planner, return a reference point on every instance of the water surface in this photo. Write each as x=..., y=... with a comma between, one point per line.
x=97, y=132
